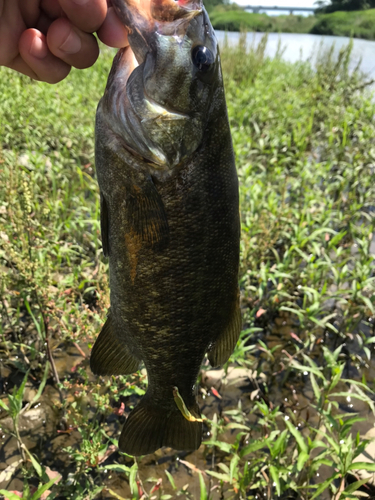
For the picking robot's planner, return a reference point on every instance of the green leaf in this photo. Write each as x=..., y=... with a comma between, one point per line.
x=221, y=477
x=14, y=406
x=318, y=444
x=4, y=406
x=235, y=425
x=170, y=479
x=41, y=386
x=354, y=486
x=254, y=446
x=348, y=424
x=337, y=377
x=369, y=466
x=367, y=352
x=336, y=239
x=234, y=467
x=320, y=231
x=115, y=495
x=9, y=495
x=117, y=468
x=362, y=396
x=279, y=445
x=367, y=301
x=300, y=314
x=302, y=459
x=275, y=476
x=323, y=461
x=356, y=383
x=224, y=467
x=323, y=486
x=316, y=388
x=226, y=447
x=132, y=479
x=44, y=488
x=298, y=436
x=21, y=389
x=333, y=443
x=38, y=468
x=36, y=323
x=304, y=368
x=202, y=484
x=180, y=403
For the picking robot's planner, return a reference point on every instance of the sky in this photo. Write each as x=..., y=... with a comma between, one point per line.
x=272, y=3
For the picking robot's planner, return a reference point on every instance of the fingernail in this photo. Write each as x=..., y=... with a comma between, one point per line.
x=80, y=2
x=72, y=43
x=38, y=48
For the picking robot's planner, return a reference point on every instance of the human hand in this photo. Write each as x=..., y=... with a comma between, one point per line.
x=45, y=38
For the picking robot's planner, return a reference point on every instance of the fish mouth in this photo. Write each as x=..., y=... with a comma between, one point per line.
x=145, y=19
x=159, y=10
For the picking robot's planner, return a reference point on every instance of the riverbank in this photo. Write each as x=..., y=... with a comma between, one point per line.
x=359, y=24
x=304, y=365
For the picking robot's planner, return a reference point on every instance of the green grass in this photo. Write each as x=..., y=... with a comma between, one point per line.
x=358, y=24
x=303, y=139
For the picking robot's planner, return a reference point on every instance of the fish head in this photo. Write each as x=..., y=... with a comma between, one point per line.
x=162, y=86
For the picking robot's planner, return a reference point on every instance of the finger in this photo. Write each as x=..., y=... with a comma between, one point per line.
x=52, y=8
x=19, y=65
x=112, y=32
x=44, y=22
x=87, y=15
x=29, y=11
x=75, y=47
x=37, y=61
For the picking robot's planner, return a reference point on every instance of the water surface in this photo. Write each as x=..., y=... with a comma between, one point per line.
x=305, y=46
x=280, y=12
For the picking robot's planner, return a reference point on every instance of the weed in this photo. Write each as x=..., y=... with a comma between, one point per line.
x=303, y=138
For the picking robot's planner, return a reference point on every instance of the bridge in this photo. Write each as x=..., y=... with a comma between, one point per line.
x=257, y=8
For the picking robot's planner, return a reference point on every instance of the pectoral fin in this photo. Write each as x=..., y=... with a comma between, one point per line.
x=110, y=355
x=104, y=224
x=227, y=341
x=147, y=216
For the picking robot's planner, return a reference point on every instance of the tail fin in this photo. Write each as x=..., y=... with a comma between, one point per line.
x=149, y=427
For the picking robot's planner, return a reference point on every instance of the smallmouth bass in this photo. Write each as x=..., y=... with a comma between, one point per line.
x=169, y=218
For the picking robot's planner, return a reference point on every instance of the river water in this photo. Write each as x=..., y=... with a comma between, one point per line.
x=304, y=46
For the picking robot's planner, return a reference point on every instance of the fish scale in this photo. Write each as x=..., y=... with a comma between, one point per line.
x=170, y=222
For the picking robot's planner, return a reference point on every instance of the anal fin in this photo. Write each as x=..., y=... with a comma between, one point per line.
x=111, y=356
x=227, y=341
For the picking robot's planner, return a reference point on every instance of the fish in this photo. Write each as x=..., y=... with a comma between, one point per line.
x=170, y=222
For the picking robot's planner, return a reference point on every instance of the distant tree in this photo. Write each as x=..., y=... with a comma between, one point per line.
x=335, y=5
x=228, y=7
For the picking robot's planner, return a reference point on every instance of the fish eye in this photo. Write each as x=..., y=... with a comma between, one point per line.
x=202, y=57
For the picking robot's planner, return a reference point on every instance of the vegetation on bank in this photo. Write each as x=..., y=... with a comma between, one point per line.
x=359, y=24
x=239, y=20
x=295, y=427
x=344, y=5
